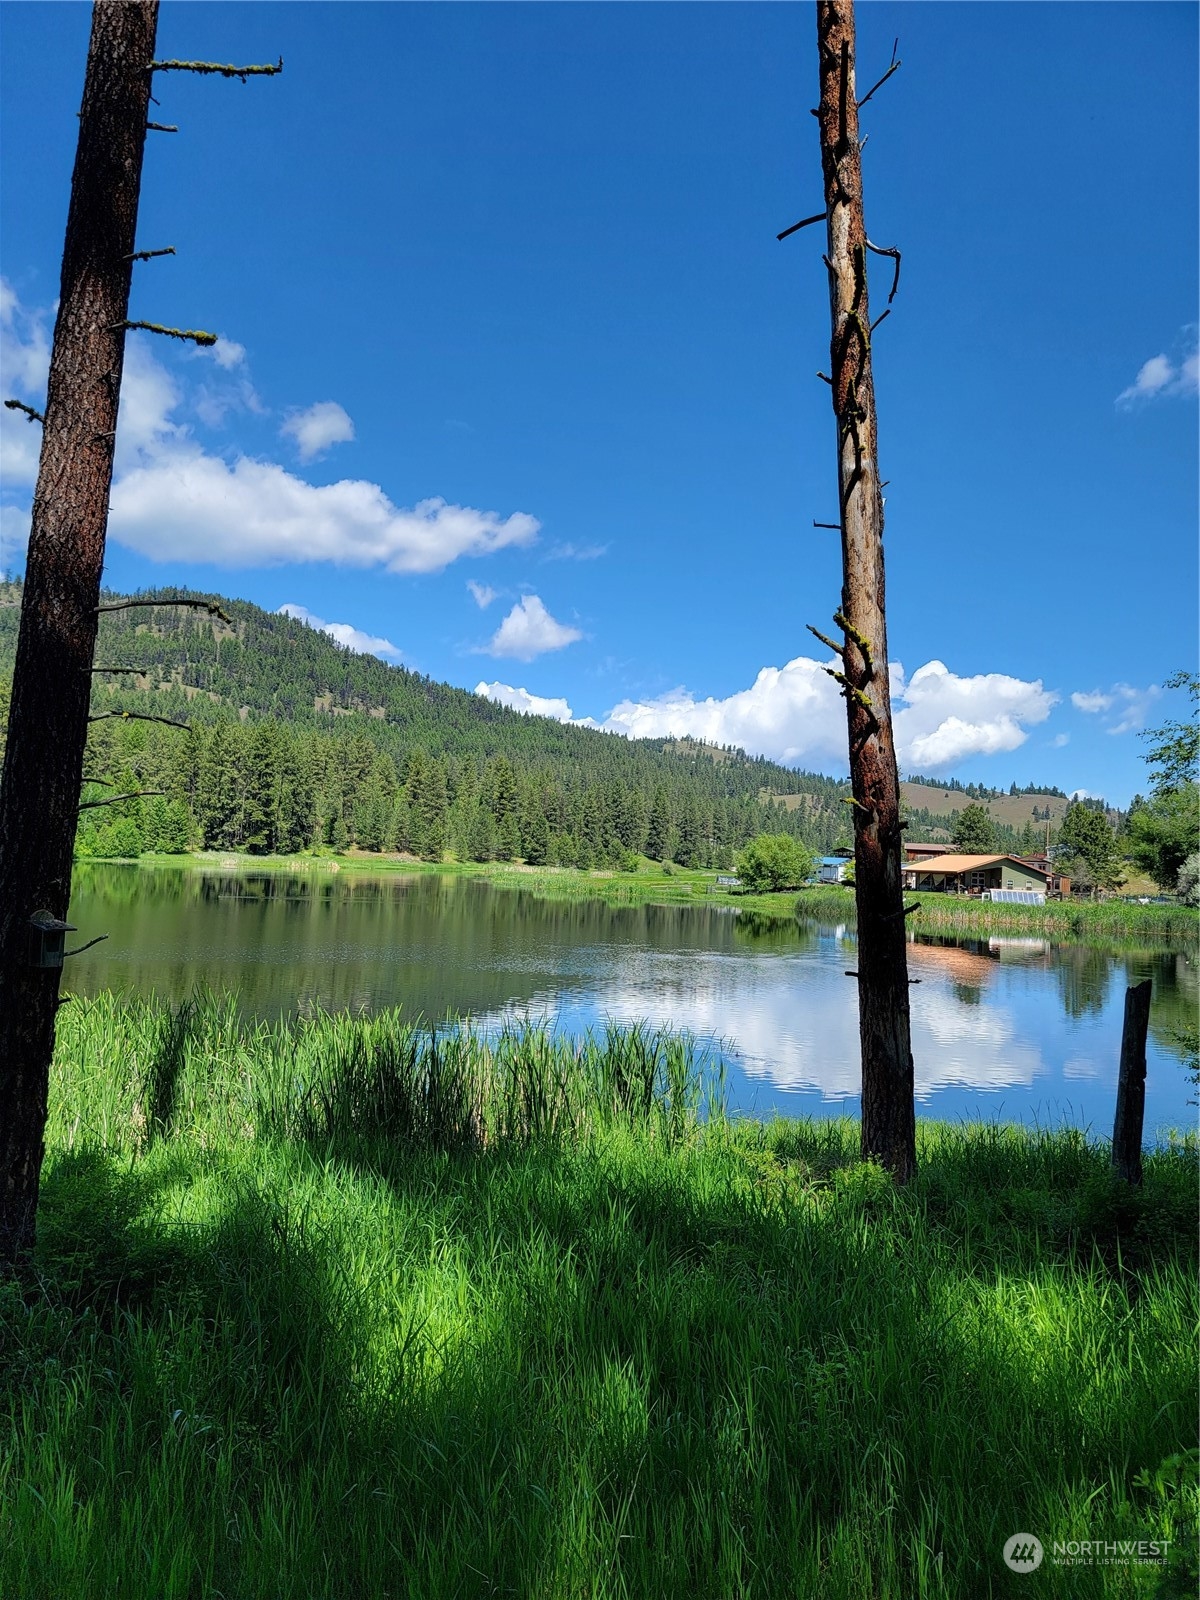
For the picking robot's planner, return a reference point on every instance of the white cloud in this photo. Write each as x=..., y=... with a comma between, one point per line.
x=529, y=630
x=346, y=634
x=24, y=365
x=227, y=353
x=789, y=713
x=14, y=536
x=149, y=394
x=1060, y=740
x=1092, y=703
x=314, y=430
x=532, y=705
x=945, y=718
x=24, y=346
x=1128, y=705
x=576, y=552
x=482, y=593
x=795, y=715
x=174, y=501
x=20, y=447
x=190, y=506
x=1160, y=376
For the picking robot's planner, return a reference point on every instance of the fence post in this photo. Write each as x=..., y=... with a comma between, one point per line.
x=1131, y=1085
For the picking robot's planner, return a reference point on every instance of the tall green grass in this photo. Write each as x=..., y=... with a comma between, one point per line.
x=348, y=1308
x=1061, y=919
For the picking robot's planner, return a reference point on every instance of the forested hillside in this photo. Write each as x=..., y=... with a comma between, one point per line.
x=295, y=743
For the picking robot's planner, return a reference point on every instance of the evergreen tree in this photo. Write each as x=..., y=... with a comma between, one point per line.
x=659, y=828
x=974, y=832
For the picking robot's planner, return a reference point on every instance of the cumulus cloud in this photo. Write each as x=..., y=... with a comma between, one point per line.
x=531, y=705
x=1128, y=706
x=945, y=718
x=346, y=634
x=315, y=429
x=482, y=593
x=173, y=500
x=529, y=630
x=192, y=506
x=795, y=715
x=1161, y=376
x=789, y=713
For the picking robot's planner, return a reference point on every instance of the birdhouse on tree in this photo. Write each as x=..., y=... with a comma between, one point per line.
x=47, y=939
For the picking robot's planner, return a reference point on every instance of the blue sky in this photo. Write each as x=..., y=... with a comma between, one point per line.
x=517, y=386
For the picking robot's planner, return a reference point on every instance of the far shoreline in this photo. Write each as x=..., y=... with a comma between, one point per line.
x=655, y=883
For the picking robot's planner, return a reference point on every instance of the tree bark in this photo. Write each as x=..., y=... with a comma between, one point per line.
x=47, y=731
x=888, y=1117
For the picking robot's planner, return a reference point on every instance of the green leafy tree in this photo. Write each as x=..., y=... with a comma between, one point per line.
x=774, y=861
x=1187, y=884
x=974, y=832
x=1087, y=847
x=1164, y=831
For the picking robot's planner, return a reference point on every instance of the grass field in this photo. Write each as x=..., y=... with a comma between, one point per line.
x=339, y=1309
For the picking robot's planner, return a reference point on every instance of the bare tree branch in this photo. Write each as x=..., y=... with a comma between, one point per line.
x=825, y=640
x=148, y=255
x=895, y=67
x=19, y=405
x=140, y=716
x=210, y=606
x=895, y=254
x=195, y=335
x=805, y=222
x=115, y=799
x=215, y=67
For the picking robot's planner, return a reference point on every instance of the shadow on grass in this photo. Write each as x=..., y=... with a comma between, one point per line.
x=360, y=1369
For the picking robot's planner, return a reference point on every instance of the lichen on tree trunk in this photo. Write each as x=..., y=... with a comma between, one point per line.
x=47, y=730
x=888, y=1119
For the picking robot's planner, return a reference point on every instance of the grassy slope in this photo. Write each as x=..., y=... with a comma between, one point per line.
x=287, y=1340
x=1011, y=809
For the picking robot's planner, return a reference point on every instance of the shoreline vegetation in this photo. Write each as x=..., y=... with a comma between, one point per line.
x=656, y=884
x=344, y=1306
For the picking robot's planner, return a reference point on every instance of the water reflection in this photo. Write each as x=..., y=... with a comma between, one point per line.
x=1017, y=1026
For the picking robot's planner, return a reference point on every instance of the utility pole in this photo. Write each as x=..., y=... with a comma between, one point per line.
x=52, y=679
x=888, y=1114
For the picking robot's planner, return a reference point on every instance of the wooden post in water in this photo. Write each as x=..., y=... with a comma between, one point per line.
x=1131, y=1085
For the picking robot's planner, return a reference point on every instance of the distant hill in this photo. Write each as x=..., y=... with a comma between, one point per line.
x=300, y=742
x=1010, y=810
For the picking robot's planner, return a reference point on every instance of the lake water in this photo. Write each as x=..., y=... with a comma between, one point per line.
x=1018, y=1029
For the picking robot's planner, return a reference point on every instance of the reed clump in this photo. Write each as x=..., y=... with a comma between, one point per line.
x=348, y=1306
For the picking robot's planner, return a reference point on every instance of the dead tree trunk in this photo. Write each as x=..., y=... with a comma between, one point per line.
x=47, y=731
x=888, y=1120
